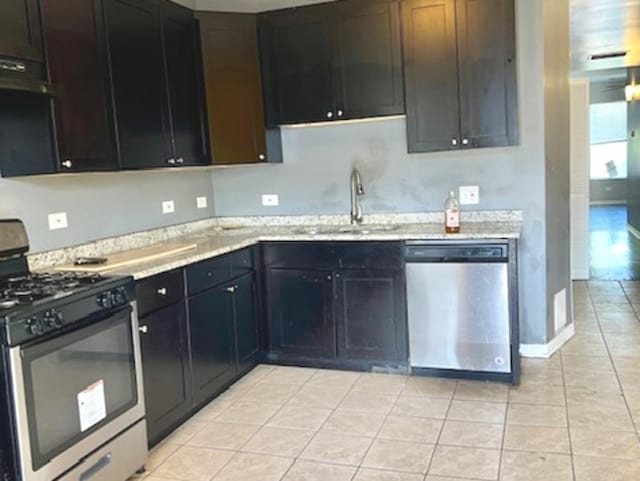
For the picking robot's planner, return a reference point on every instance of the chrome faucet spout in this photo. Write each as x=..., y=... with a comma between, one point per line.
x=357, y=189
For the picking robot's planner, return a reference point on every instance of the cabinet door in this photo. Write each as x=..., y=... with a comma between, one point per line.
x=165, y=365
x=297, y=56
x=371, y=315
x=20, y=30
x=77, y=57
x=431, y=75
x=234, y=87
x=368, y=59
x=246, y=317
x=301, y=313
x=213, y=355
x=486, y=48
x=185, y=84
x=139, y=86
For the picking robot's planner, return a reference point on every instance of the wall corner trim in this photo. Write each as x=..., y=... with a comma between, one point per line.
x=547, y=350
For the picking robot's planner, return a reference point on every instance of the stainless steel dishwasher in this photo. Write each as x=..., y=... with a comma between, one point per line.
x=460, y=307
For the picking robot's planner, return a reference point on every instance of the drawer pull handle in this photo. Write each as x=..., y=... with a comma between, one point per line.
x=231, y=289
x=102, y=463
x=143, y=329
x=162, y=291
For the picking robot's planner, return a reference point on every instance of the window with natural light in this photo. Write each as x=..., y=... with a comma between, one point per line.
x=608, y=140
x=609, y=160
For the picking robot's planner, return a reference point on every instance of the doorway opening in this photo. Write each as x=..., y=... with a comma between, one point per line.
x=614, y=252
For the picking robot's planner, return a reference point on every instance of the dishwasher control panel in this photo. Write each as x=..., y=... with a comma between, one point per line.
x=452, y=252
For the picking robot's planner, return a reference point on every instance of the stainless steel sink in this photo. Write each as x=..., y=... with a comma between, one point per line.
x=347, y=229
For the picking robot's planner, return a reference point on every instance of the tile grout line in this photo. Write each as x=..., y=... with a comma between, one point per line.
x=444, y=421
x=615, y=369
x=566, y=414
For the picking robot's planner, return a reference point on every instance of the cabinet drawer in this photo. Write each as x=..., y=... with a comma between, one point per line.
x=241, y=262
x=360, y=255
x=159, y=291
x=313, y=255
x=207, y=274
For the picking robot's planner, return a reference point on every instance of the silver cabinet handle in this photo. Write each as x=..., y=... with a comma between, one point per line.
x=13, y=66
x=67, y=164
x=328, y=278
x=340, y=113
x=162, y=291
x=180, y=160
x=329, y=115
x=465, y=141
x=143, y=329
x=231, y=289
x=171, y=161
x=454, y=141
x=261, y=156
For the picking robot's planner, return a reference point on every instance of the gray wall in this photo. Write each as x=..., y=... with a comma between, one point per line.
x=608, y=191
x=102, y=205
x=557, y=155
x=314, y=177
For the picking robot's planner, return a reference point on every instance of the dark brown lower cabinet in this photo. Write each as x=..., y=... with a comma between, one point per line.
x=320, y=313
x=301, y=313
x=212, y=342
x=165, y=364
x=246, y=322
x=370, y=312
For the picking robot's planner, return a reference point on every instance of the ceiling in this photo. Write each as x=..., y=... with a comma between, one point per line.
x=600, y=27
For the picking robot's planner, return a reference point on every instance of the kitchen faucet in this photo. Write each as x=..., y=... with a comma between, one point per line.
x=356, y=190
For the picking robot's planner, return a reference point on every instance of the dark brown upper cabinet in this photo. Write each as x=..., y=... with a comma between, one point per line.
x=20, y=32
x=460, y=77
x=156, y=88
x=368, y=59
x=76, y=52
x=332, y=61
x=233, y=86
x=185, y=86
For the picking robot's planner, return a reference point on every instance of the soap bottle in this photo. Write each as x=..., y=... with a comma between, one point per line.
x=452, y=214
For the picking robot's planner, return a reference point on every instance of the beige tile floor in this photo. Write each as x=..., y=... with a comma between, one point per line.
x=575, y=417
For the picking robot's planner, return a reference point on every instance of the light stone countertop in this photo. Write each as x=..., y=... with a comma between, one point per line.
x=220, y=241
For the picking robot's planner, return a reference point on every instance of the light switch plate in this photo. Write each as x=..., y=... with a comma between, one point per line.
x=168, y=207
x=469, y=194
x=201, y=202
x=58, y=221
x=270, y=200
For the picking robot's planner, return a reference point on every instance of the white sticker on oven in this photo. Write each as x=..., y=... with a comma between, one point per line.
x=92, y=406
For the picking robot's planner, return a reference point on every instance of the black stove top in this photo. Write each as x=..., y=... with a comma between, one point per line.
x=28, y=289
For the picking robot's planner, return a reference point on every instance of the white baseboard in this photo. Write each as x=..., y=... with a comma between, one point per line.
x=547, y=350
x=580, y=274
x=607, y=202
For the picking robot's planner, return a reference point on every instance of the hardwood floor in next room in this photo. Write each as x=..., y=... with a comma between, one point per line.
x=575, y=417
x=614, y=252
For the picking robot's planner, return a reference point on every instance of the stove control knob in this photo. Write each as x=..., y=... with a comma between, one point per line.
x=53, y=319
x=105, y=301
x=120, y=296
x=34, y=326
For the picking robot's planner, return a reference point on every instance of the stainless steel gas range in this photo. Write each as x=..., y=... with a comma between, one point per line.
x=71, y=400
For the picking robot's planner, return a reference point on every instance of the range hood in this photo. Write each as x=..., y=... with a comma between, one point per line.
x=24, y=76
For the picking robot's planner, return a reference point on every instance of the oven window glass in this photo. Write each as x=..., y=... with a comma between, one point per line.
x=78, y=382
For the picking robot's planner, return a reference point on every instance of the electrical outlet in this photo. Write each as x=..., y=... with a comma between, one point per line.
x=469, y=194
x=168, y=207
x=58, y=221
x=201, y=202
x=270, y=200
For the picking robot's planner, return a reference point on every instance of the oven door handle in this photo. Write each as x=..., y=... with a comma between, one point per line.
x=102, y=463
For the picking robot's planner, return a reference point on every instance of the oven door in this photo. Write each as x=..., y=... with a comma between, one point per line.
x=75, y=392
